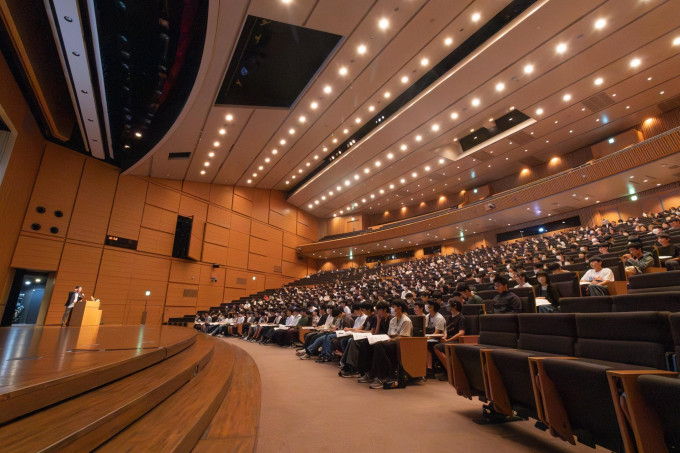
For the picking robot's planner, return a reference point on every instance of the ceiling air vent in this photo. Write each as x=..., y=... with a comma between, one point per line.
x=670, y=104
x=173, y=156
x=598, y=102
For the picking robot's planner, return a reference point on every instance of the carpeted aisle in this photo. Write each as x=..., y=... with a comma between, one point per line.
x=307, y=407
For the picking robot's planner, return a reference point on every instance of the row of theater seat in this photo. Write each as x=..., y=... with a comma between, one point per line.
x=554, y=368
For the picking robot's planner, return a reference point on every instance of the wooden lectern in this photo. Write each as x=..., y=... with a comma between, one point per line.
x=85, y=313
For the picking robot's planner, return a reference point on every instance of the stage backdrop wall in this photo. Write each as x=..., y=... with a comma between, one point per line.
x=250, y=233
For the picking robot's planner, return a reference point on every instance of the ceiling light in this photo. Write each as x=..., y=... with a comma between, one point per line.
x=661, y=92
x=403, y=147
x=372, y=196
x=427, y=168
x=267, y=160
x=424, y=62
x=338, y=188
x=341, y=211
x=211, y=154
x=476, y=17
x=402, y=180
x=382, y=191
x=390, y=155
x=203, y=172
x=345, y=131
x=366, y=170
x=275, y=151
x=441, y=161
x=260, y=168
x=599, y=81
x=387, y=95
x=566, y=97
x=206, y=164
x=358, y=120
x=314, y=105
x=361, y=49
x=391, y=186
x=414, y=174
x=316, y=201
x=371, y=108
x=335, y=140
x=528, y=69
x=282, y=141
x=287, y=182
x=310, y=206
x=377, y=163
x=330, y=192
x=419, y=138
x=229, y=117
x=676, y=41
x=561, y=48
x=500, y=86
x=475, y=102
x=404, y=79
x=307, y=164
x=327, y=89
x=254, y=175
x=600, y=24
x=435, y=127
x=222, y=131
x=342, y=71
x=383, y=23
x=449, y=41
x=300, y=170
x=316, y=157
x=539, y=111
x=293, y=177
x=356, y=177
x=363, y=200
x=216, y=144
x=454, y=116
x=302, y=119
x=291, y=131
x=635, y=62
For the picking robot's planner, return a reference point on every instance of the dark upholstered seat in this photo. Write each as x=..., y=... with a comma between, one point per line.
x=662, y=394
x=540, y=335
x=654, y=282
x=606, y=341
x=659, y=301
x=566, y=284
x=592, y=304
x=495, y=331
x=675, y=331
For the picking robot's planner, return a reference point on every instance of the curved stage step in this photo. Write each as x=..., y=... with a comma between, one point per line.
x=206, y=389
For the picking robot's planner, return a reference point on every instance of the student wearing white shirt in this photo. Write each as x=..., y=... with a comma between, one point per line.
x=598, y=277
x=522, y=280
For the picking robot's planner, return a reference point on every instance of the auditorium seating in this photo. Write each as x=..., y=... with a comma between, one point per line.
x=526, y=295
x=659, y=301
x=574, y=396
x=164, y=388
x=658, y=281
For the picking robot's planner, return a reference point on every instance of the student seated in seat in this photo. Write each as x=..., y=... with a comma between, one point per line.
x=636, y=261
x=598, y=277
x=544, y=290
x=455, y=329
x=385, y=365
x=505, y=301
x=667, y=249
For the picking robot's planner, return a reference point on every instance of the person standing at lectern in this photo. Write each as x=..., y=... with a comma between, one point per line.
x=73, y=297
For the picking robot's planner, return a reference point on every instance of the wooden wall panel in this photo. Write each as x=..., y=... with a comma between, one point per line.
x=197, y=189
x=221, y=195
x=284, y=222
x=128, y=207
x=178, y=311
x=237, y=258
x=210, y=295
x=240, y=223
x=292, y=240
x=159, y=219
x=232, y=294
x=55, y=190
x=289, y=255
x=213, y=253
x=176, y=294
x=239, y=241
x=242, y=205
x=150, y=267
x=296, y=270
x=185, y=272
x=37, y=253
x=247, y=193
x=266, y=232
x=308, y=232
x=163, y=197
x=79, y=265
x=190, y=206
x=154, y=241
x=265, y=248
x=235, y=278
x=207, y=271
x=216, y=235
x=171, y=183
x=261, y=205
x=219, y=216
x=93, y=204
x=256, y=284
x=262, y=263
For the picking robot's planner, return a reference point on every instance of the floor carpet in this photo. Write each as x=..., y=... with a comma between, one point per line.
x=307, y=407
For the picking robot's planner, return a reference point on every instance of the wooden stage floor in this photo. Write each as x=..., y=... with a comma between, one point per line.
x=43, y=365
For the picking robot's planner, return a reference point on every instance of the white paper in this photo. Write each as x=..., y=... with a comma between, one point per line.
x=377, y=338
x=542, y=301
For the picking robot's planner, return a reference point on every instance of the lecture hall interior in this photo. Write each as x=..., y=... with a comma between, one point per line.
x=340, y=225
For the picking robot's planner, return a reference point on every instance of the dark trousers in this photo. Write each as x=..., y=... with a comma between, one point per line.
x=385, y=360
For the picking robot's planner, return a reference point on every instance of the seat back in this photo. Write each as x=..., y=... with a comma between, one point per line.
x=418, y=325
x=593, y=304
x=528, y=299
x=471, y=324
x=555, y=334
x=658, y=301
x=658, y=392
x=674, y=319
x=499, y=330
x=566, y=284
x=638, y=338
x=658, y=281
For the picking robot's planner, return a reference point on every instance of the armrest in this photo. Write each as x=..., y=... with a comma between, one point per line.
x=457, y=377
x=468, y=339
x=549, y=405
x=494, y=385
x=617, y=287
x=639, y=424
x=413, y=355
x=653, y=270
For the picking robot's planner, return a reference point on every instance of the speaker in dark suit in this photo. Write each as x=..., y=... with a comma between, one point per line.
x=73, y=297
